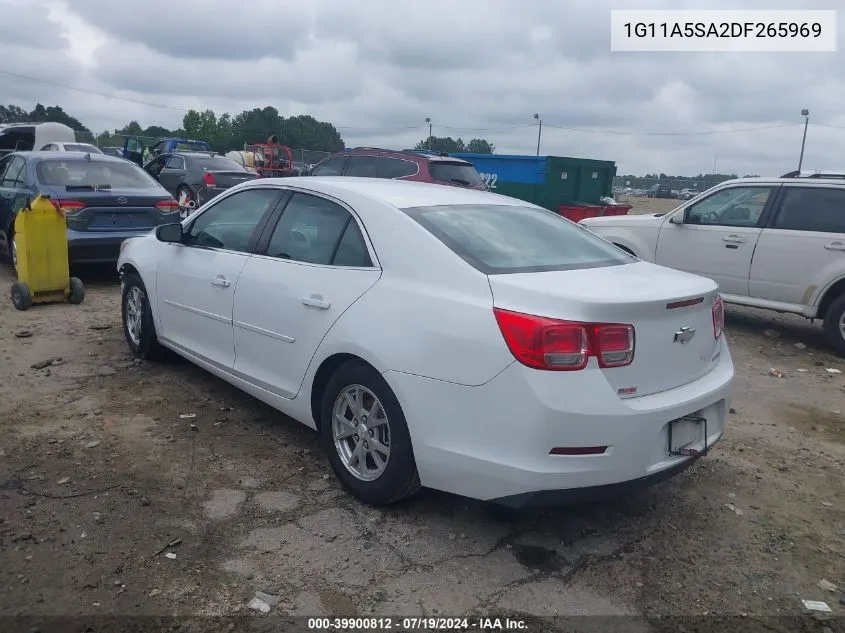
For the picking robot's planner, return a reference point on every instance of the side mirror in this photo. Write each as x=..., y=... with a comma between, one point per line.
x=678, y=218
x=170, y=233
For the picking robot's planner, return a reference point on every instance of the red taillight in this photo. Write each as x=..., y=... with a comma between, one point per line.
x=167, y=206
x=209, y=179
x=718, y=316
x=69, y=207
x=551, y=344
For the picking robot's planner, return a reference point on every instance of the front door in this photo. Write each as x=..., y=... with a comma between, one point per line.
x=173, y=173
x=196, y=279
x=315, y=266
x=804, y=246
x=716, y=236
x=133, y=149
x=14, y=195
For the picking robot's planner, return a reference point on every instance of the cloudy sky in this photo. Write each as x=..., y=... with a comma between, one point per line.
x=377, y=68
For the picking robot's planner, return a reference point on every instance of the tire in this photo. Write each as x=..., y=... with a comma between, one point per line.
x=21, y=296
x=399, y=477
x=77, y=291
x=834, y=325
x=13, y=253
x=144, y=343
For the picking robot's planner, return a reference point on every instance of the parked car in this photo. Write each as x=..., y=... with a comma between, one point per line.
x=113, y=151
x=105, y=200
x=135, y=149
x=194, y=178
x=371, y=162
x=21, y=137
x=436, y=336
x=659, y=191
x=86, y=148
x=772, y=243
x=687, y=194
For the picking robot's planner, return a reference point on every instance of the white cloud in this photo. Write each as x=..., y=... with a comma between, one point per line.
x=478, y=68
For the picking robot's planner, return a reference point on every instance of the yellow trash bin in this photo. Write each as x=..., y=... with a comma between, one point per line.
x=42, y=257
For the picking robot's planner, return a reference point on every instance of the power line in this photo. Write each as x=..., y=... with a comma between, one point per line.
x=442, y=127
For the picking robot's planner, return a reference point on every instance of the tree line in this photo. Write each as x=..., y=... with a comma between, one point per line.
x=226, y=132
x=700, y=182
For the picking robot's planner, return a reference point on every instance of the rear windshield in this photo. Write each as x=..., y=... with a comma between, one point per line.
x=216, y=163
x=191, y=146
x=454, y=172
x=81, y=147
x=498, y=239
x=77, y=173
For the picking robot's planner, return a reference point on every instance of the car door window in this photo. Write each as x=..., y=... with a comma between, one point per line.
x=313, y=230
x=396, y=168
x=737, y=206
x=230, y=223
x=812, y=209
x=15, y=173
x=175, y=162
x=332, y=167
x=362, y=166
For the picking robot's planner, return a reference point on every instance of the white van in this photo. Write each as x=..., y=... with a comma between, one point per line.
x=18, y=137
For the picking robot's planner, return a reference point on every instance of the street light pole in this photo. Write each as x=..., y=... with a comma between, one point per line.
x=539, y=131
x=806, y=114
x=428, y=120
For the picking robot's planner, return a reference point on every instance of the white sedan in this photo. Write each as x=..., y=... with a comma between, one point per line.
x=437, y=336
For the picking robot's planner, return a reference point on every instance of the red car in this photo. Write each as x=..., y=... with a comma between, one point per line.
x=419, y=165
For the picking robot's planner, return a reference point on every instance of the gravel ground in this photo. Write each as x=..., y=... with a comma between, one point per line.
x=100, y=469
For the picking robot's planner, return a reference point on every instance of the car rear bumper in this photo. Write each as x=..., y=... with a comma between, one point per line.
x=492, y=442
x=100, y=247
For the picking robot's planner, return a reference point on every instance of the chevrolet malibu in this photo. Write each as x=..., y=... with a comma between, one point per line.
x=439, y=337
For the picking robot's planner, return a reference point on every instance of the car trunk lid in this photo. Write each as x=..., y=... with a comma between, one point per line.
x=226, y=179
x=107, y=209
x=671, y=313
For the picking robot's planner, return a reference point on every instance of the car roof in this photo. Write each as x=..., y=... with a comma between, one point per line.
x=401, y=194
x=70, y=156
x=404, y=154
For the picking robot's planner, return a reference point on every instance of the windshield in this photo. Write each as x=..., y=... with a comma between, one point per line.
x=217, y=163
x=498, y=239
x=82, y=147
x=454, y=173
x=93, y=173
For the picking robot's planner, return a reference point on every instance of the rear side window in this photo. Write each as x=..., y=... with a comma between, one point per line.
x=332, y=167
x=812, y=209
x=87, y=173
x=498, y=239
x=15, y=174
x=80, y=147
x=175, y=162
x=454, y=173
x=396, y=168
x=362, y=166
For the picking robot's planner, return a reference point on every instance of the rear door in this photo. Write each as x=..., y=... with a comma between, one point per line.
x=315, y=264
x=330, y=167
x=803, y=248
x=196, y=279
x=173, y=173
x=389, y=167
x=717, y=236
x=362, y=166
x=14, y=193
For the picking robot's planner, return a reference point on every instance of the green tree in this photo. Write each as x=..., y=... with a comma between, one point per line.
x=451, y=146
x=480, y=146
x=13, y=114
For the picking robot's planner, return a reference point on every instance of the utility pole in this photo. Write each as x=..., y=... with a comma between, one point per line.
x=539, y=131
x=428, y=143
x=806, y=114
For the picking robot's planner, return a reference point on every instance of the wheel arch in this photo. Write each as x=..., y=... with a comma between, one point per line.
x=830, y=295
x=321, y=378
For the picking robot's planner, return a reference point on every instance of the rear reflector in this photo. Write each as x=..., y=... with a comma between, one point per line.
x=552, y=344
x=684, y=304
x=578, y=450
x=718, y=316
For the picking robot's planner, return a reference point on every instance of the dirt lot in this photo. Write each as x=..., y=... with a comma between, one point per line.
x=99, y=471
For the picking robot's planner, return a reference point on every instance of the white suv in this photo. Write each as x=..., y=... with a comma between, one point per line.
x=774, y=243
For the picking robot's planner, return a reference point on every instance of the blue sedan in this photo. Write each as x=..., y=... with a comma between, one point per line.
x=105, y=199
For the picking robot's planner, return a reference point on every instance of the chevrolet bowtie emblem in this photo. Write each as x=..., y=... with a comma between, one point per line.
x=684, y=335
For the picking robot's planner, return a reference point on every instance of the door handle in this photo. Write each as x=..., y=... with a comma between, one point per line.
x=734, y=239
x=316, y=301
x=835, y=246
x=221, y=281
